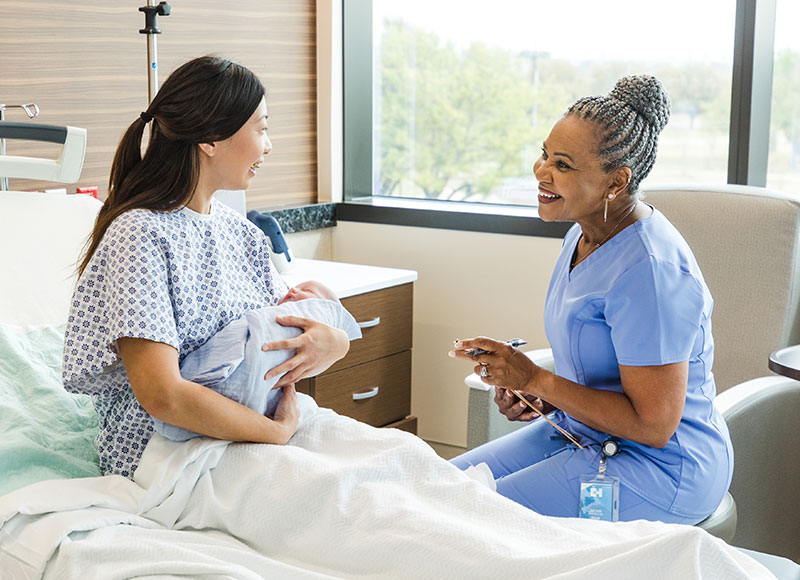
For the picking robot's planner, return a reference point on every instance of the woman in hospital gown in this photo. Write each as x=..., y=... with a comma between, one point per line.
x=628, y=317
x=168, y=266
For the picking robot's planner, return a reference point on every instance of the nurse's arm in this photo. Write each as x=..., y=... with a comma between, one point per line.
x=154, y=374
x=648, y=410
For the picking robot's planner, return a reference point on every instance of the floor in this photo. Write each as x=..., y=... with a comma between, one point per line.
x=446, y=451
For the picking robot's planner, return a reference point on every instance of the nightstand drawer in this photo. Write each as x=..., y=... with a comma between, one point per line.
x=377, y=392
x=386, y=320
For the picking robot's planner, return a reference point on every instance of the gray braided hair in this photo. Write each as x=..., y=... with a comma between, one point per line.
x=630, y=118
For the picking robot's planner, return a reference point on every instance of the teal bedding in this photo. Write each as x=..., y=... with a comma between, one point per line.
x=45, y=432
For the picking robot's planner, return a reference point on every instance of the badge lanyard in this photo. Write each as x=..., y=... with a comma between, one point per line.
x=599, y=497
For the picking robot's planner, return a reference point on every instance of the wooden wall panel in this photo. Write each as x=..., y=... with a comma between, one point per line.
x=85, y=64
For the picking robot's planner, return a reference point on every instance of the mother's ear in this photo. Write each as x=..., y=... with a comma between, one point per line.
x=208, y=148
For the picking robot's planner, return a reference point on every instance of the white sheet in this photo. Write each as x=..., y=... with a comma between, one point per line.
x=341, y=500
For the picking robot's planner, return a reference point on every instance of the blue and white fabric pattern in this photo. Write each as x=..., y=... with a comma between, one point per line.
x=174, y=277
x=233, y=364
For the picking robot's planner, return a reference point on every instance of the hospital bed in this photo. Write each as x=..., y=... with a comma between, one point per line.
x=341, y=500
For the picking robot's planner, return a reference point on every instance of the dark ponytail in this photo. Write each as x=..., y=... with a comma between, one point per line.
x=207, y=99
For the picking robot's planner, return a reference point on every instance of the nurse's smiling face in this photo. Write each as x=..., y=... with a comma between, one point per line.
x=572, y=183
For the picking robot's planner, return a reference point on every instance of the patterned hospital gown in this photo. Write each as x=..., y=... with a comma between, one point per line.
x=173, y=277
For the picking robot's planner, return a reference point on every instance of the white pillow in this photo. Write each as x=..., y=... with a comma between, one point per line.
x=41, y=239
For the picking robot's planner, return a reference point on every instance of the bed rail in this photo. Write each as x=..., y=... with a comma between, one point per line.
x=66, y=169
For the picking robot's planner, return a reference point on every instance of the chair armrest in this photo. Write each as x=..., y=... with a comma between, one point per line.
x=761, y=415
x=738, y=398
x=542, y=357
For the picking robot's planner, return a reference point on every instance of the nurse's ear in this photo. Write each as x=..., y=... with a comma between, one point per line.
x=209, y=149
x=618, y=184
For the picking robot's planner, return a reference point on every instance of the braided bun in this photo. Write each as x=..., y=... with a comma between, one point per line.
x=629, y=120
x=645, y=95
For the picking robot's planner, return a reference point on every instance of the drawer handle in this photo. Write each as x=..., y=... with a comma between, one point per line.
x=370, y=323
x=366, y=395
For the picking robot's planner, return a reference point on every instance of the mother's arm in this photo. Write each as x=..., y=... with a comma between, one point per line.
x=317, y=349
x=155, y=378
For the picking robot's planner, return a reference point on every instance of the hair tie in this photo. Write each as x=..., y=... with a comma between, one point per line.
x=145, y=117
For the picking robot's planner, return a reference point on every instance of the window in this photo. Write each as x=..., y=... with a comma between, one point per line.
x=450, y=100
x=783, y=171
x=462, y=97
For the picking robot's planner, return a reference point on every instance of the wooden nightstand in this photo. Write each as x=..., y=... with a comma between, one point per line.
x=373, y=382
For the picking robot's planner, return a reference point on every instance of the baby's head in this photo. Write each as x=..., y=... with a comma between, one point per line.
x=306, y=290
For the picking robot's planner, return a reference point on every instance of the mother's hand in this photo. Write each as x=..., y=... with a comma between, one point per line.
x=316, y=349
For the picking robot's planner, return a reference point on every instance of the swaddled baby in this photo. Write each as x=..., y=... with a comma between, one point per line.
x=233, y=364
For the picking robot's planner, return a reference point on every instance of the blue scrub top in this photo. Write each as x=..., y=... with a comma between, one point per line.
x=641, y=300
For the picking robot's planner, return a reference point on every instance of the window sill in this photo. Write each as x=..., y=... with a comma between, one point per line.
x=450, y=215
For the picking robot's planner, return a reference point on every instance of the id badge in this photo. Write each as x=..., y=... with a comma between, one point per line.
x=599, y=498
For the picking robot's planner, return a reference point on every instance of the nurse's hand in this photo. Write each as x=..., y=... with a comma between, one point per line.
x=500, y=365
x=504, y=367
x=515, y=410
x=316, y=349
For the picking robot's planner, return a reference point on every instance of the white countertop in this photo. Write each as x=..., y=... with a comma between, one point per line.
x=347, y=279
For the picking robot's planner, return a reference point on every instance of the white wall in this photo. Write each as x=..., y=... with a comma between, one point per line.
x=313, y=245
x=469, y=284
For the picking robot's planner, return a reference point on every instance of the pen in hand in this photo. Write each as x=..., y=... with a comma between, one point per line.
x=515, y=342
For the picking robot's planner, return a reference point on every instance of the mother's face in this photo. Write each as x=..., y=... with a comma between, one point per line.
x=572, y=183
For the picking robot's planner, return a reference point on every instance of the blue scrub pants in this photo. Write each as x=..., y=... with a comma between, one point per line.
x=537, y=467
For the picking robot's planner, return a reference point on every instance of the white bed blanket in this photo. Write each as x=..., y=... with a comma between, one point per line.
x=341, y=500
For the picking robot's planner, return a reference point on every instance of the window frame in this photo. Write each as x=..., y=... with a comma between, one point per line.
x=748, y=149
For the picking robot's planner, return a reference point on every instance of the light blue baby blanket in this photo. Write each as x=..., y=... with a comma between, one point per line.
x=233, y=364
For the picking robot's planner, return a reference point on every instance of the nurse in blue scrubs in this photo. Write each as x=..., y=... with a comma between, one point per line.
x=628, y=317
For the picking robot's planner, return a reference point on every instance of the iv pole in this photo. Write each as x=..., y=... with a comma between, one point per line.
x=151, y=14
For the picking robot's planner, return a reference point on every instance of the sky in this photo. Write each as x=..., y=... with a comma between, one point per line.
x=686, y=31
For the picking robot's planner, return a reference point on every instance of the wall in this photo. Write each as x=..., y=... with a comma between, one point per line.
x=469, y=284
x=85, y=64
x=312, y=245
